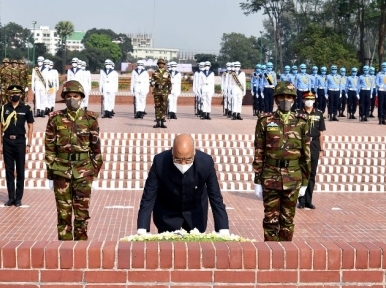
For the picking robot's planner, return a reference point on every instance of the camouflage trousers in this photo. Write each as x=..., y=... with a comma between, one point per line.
x=160, y=104
x=279, y=213
x=72, y=195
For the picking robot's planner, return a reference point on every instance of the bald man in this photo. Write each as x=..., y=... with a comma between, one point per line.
x=180, y=184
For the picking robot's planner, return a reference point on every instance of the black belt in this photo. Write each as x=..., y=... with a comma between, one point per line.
x=74, y=156
x=281, y=163
x=14, y=136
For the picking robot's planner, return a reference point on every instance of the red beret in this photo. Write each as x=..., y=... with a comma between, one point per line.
x=308, y=95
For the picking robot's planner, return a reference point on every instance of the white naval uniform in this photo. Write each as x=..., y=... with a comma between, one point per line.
x=87, y=87
x=53, y=87
x=108, y=87
x=139, y=86
x=237, y=92
x=206, y=80
x=176, y=90
x=40, y=87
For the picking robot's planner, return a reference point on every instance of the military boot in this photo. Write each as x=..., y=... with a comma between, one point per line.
x=226, y=112
x=334, y=118
x=208, y=116
x=203, y=116
x=158, y=124
x=371, y=115
x=239, y=117
x=42, y=114
x=105, y=115
x=162, y=124
x=109, y=114
x=234, y=116
x=52, y=109
x=229, y=113
x=37, y=113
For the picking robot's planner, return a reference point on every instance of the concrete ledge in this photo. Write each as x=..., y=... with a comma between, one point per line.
x=178, y=264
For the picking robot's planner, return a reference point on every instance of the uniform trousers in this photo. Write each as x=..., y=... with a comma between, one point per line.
x=333, y=101
x=237, y=102
x=229, y=100
x=315, y=152
x=172, y=103
x=108, y=101
x=40, y=99
x=206, y=102
x=268, y=99
x=279, y=213
x=51, y=97
x=140, y=101
x=322, y=101
x=382, y=104
x=85, y=99
x=14, y=153
x=364, y=103
x=299, y=101
x=160, y=104
x=342, y=101
x=352, y=102
x=72, y=195
x=372, y=101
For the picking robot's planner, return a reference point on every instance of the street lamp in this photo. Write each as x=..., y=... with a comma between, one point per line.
x=33, y=43
x=261, y=45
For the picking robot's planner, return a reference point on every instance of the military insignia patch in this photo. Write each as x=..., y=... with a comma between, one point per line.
x=61, y=127
x=272, y=124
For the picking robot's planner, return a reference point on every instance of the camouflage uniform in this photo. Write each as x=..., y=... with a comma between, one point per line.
x=5, y=78
x=73, y=158
x=23, y=79
x=281, y=165
x=161, y=81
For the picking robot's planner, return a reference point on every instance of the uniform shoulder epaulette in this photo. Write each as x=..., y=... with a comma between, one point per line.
x=302, y=115
x=319, y=111
x=92, y=114
x=56, y=113
x=265, y=114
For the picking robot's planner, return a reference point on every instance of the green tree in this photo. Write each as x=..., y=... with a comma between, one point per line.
x=202, y=57
x=64, y=29
x=104, y=43
x=237, y=47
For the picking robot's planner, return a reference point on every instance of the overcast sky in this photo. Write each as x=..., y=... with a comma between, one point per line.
x=195, y=25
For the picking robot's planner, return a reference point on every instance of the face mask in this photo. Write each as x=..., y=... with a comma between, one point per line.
x=323, y=72
x=207, y=68
x=73, y=104
x=269, y=68
x=140, y=67
x=15, y=98
x=228, y=68
x=47, y=66
x=343, y=73
x=183, y=168
x=284, y=105
x=383, y=69
x=315, y=72
x=40, y=64
x=295, y=72
x=237, y=69
x=303, y=70
x=174, y=69
x=354, y=73
x=333, y=72
x=83, y=68
x=309, y=103
x=74, y=65
x=108, y=66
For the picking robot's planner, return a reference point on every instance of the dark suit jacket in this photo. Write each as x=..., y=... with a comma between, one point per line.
x=175, y=198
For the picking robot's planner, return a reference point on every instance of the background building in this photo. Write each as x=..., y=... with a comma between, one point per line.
x=43, y=34
x=74, y=41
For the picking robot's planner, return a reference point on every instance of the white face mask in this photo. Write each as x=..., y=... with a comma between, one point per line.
x=140, y=67
x=237, y=69
x=228, y=68
x=174, y=69
x=83, y=68
x=183, y=168
x=201, y=68
x=108, y=66
x=309, y=103
x=40, y=64
x=74, y=65
x=47, y=66
x=207, y=68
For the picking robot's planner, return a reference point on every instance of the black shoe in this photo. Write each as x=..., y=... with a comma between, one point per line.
x=365, y=119
x=174, y=116
x=112, y=113
x=226, y=112
x=109, y=114
x=18, y=203
x=371, y=115
x=361, y=119
x=383, y=122
x=144, y=113
x=234, y=116
x=162, y=124
x=342, y=115
x=310, y=206
x=105, y=115
x=10, y=202
x=300, y=206
x=334, y=118
x=208, y=116
x=353, y=117
x=137, y=115
x=239, y=117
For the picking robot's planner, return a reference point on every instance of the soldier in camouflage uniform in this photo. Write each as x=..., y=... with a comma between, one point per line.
x=73, y=158
x=281, y=163
x=15, y=73
x=5, y=78
x=162, y=85
x=23, y=80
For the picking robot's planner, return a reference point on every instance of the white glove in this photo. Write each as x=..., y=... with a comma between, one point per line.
x=262, y=95
x=224, y=232
x=358, y=96
x=51, y=184
x=340, y=95
x=26, y=89
x=141, y=231
x=259, y=191
x=371, y=96
x=257, y=95
x=316, y=95
x=326, y=96
x=94, y=185
x=302, y=191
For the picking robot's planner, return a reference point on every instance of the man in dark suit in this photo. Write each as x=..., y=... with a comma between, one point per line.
x=177, y=190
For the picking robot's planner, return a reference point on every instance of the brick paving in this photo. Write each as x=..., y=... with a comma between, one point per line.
x=339, y=216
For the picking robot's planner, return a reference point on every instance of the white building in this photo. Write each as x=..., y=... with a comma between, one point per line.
x=50, y=38
x=143, y=48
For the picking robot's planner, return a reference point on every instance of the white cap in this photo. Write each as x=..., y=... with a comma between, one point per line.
x=84, y=63
x=74, y=60
x=51, y=63
x=40, y=59
x=173, y=64
x=79, y=62
x=108, y=62
x=236, y=64
x=201, y=64
x=229, y=64
x=207, y=63
x=46, y=61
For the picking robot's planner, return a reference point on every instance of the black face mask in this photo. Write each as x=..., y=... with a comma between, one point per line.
x=15, y=98
x=284, y=105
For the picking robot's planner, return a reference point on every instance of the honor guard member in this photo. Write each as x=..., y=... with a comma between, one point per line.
x=316, y=125
x=86, y=85
x=238, y=91
x=352, y=89
x=207, y=90
x=23, y=80
x=5, y=80
x=197, y=88
x=255, y=84
x=381, y=87
x=286, y=75
x=175, y=78
x=108, y=87
x=73, y=158
x=333, y=93
x=321, y=91
x=54, y=81
x=13, y=143
x=139, y=87
x=162, y=85
x=260, y=100
x=374, y=93
x=74, y=73
x=314, y=78
x=281, y=163
x=342, y=87
x=229, y=85
x=39, y=86
x=294, y=70
x=365, y=94
x=302, y=84
x=50, y=83
x=224, y=86
x=269, y=82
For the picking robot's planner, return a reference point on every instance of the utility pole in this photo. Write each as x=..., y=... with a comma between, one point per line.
x=33, y=43
x=261, y=46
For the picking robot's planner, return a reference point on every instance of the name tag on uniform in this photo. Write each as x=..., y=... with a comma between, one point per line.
x=61, y=127
x=272, y=129
x=21, y=113
x=315, y=117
